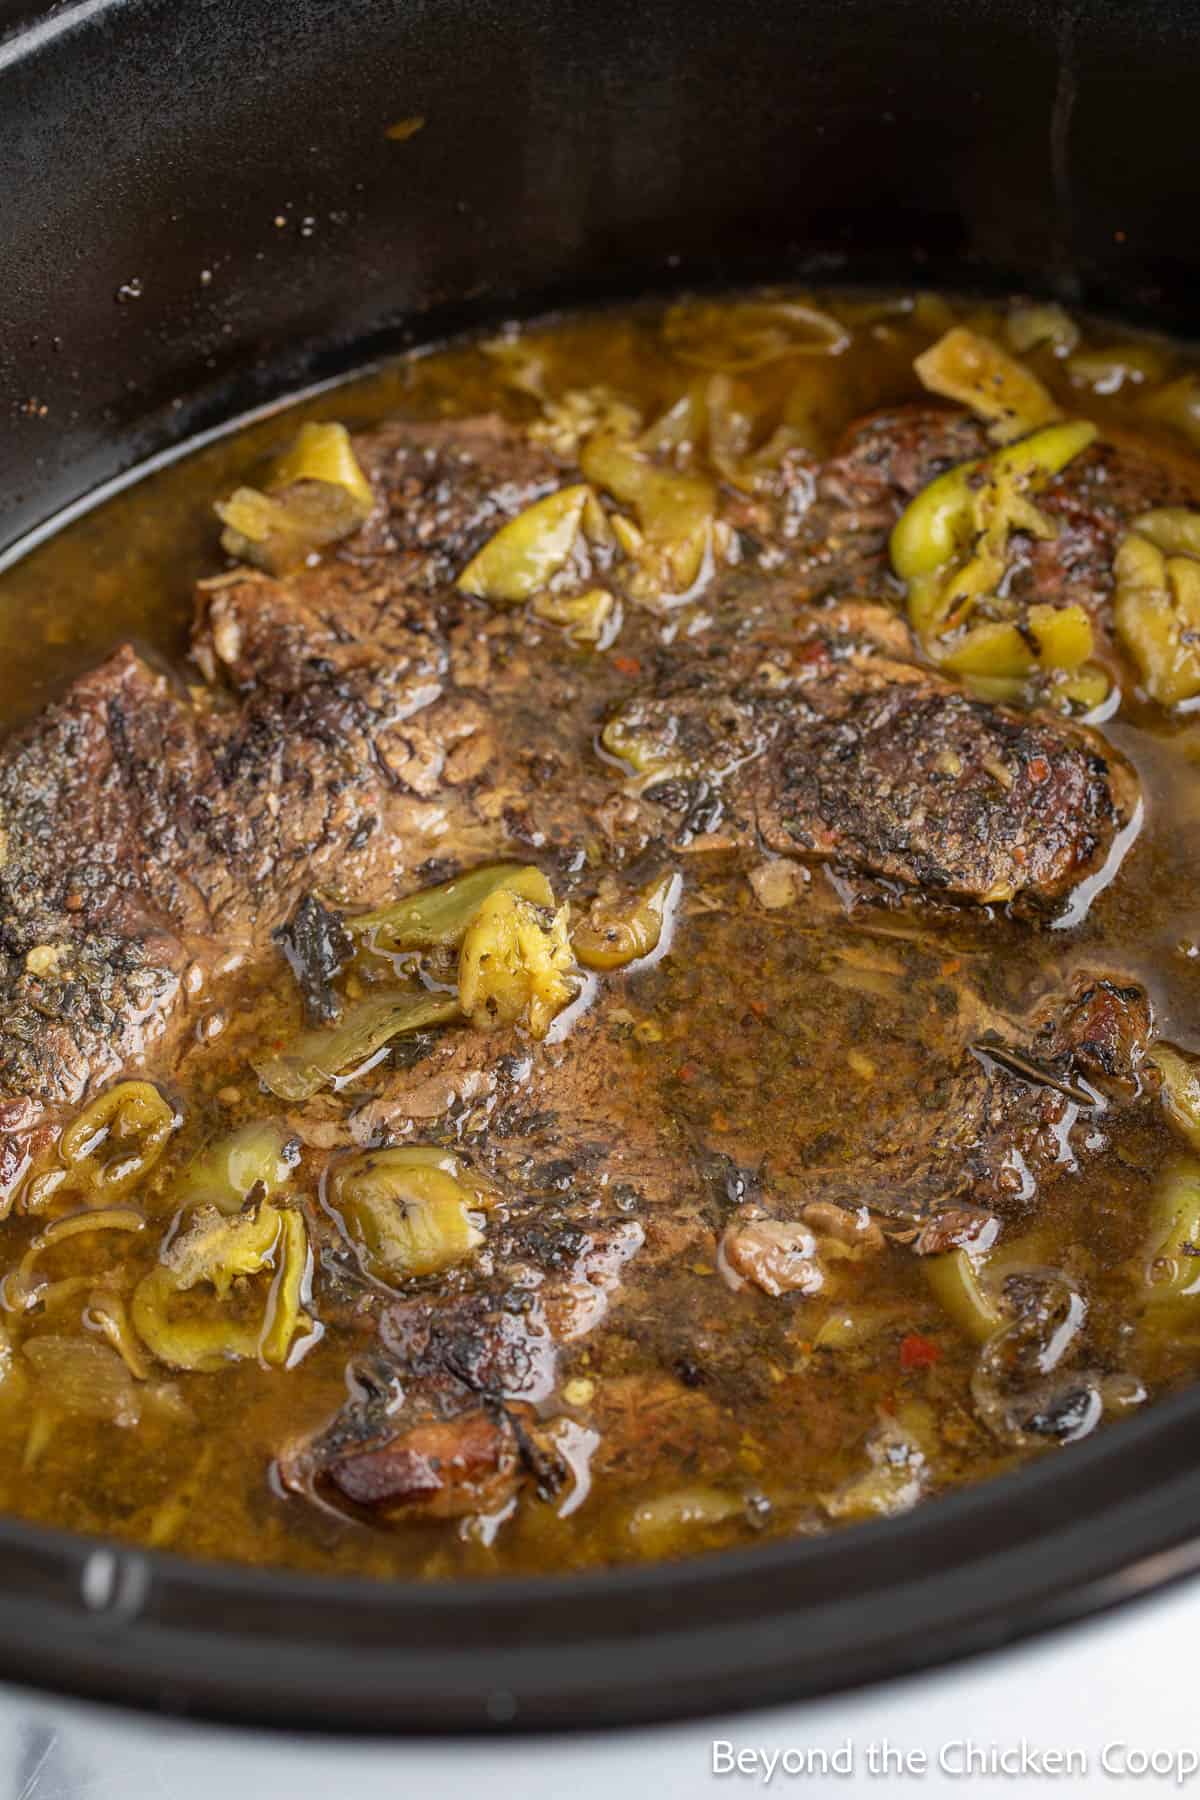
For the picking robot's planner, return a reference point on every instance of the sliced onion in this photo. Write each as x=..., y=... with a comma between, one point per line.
x=80, y=1376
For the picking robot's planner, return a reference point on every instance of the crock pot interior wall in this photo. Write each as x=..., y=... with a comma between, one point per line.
x=570, y=151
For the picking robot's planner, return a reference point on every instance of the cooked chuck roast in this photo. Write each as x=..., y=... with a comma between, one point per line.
x=363, y=726
x=361, y=714
x=442, y=1416
x=829, y=747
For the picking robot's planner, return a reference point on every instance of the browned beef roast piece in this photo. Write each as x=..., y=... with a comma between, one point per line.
x=452, y=1409
x=442, y=1409
x=1019, y=1110
x=828, y=747
x=87, y=967
x=148, y=840
x=364, y=720
x=150, y=835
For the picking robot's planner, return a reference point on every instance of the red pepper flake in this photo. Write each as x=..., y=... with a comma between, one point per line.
x=758, y=1008
x=812, y=652
x=917, y=1352
x=626, y=665
x=1039, y=769
x=688, y=1071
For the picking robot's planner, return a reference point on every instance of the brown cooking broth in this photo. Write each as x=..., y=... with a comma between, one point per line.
x=808, y=1022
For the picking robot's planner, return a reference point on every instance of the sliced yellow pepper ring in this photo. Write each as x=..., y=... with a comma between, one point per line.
x=613, y=936
x=117, y=1139
x=215, y=1252
x=713, y=335
x=525, y=553
x=20, y=1292
x=407, y=1211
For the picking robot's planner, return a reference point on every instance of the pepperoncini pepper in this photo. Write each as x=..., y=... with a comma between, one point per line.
x=408, y=1211
x=438, y=917
x=614, y=935
x=950, y=547
x=1157, y=605
x=224, y=1255
x=107, y=1148
x=520, y=559
x=514, y=965
x=968, y=367
x=316, y=494
x=675, y=513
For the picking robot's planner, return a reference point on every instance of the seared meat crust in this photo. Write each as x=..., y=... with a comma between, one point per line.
x=828, y=747
x=150, y=834
x=362, y=717
x=901, y=775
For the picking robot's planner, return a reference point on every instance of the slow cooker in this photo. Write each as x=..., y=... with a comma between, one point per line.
x=203, y=213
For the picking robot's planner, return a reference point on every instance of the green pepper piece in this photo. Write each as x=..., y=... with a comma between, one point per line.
x=513, y=965
x=407, y=1217
x=255, y=1157
x=675, y=512
x=968, y=367
x=1180, y=1091
x=520, y=559
x=437, y=917
x=935, y=526
x=1157, y=615
x=214, y=1252
x=1173, y=1263
x=315, y=495
x=324, y=453
x=315, y=1058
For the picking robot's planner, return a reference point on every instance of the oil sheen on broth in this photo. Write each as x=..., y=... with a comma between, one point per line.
x=799, y=1172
